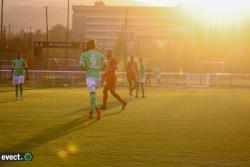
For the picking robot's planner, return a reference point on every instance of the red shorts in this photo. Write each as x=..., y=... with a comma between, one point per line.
x=110, y=82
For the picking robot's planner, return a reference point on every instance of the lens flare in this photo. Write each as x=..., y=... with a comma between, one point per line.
x=62, y=154
x=72, y=148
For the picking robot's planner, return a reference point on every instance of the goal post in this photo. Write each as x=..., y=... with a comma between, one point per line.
x=60, y=63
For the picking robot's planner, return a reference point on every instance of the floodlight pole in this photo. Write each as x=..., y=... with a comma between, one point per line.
x=126, y=39
x=9, y=38
x=9, y=32
x=67, y=37
x=30, y=36
x=47, y=38
x=1, y=41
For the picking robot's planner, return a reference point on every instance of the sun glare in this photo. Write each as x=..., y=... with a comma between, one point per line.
x=222, y=11
x=160, y=2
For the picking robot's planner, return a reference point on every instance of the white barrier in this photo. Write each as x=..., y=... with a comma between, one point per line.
x=76, y=78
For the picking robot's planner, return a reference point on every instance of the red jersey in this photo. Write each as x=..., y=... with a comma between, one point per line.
x=131, y=70
x=110, y=75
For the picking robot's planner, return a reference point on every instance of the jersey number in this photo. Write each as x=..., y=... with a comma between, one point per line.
x=93, y=61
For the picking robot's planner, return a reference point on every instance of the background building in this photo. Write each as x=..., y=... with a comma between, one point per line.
x=146, y=30
x=168, y=37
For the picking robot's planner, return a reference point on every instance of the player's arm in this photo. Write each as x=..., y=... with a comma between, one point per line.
x=26, y=69
x=82, y=63
x=104, y=63
x=12, y=70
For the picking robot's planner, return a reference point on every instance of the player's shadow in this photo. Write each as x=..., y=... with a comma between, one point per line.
x=81, y=110
x=7, y=101
x=51, y=134
x=110, y=105
x=104, y=114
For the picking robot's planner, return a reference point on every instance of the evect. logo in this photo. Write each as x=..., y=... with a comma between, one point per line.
x=16, y=156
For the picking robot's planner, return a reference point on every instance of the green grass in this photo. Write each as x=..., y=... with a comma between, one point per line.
x=171, y=127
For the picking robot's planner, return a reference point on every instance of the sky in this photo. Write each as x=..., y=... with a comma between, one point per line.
x=21, y=14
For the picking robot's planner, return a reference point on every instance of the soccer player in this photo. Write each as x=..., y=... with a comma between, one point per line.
x=93, y=62
x=19, y=65
x=110, y=81
x=131, y=75
x=141, y=75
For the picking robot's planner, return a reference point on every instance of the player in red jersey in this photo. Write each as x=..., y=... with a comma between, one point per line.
x=110, y=81
x=131, y=75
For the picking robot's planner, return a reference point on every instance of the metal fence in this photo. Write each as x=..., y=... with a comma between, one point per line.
x=39, y=78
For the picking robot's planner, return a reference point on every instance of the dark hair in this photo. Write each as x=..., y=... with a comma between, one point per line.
x=91, y=44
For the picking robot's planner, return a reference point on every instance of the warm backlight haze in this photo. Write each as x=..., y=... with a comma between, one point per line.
x=182, y=38
x=161, y=2
x=220, y=11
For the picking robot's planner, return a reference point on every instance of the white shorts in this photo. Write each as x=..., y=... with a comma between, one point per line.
x=18, y=80
x=142, y=80
x=92, y=83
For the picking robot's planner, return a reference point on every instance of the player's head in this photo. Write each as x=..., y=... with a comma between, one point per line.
x=91, y=44
x=18, y=54
x=110, y=53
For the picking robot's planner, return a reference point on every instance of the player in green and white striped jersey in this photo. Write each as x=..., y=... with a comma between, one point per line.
x=19, y=66
x=93, y=62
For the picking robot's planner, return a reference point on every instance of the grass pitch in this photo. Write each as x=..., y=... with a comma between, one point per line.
x=170, y=127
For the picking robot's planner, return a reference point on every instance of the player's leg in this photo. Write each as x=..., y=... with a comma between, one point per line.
x=142, y=90
x=93, y=100
x=21, y=82
x=15, y=83
x=130, y=87
x=105, y=97
x=98, y=112
x=113, y=92
x=137, y=89
x=16, y=91
x=135, y=84
x=21, y=90
x=92, y=104
x=91, y=107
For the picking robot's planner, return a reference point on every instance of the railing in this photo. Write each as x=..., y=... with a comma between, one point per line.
x=77, y=78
